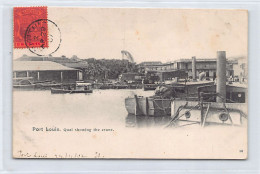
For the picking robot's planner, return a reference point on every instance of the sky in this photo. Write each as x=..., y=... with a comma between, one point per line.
x=148, y=34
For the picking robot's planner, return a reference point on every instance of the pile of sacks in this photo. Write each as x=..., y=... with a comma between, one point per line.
x=165, y=92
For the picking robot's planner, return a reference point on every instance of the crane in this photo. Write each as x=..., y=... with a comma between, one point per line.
x=128, y=55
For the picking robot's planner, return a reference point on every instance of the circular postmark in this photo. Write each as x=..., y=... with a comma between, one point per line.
x=43, y=37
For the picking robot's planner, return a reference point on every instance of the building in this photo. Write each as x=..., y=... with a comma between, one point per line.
x=202, y=65
x=144, y=67
x=240, y=69
x=207, y=65
x=45, y=70
x=171, y=74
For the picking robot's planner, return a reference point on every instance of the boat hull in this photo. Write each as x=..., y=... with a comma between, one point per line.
x=120, y=87
x=149, y=87
x=65, y=91
x=153, y=106
x=31, y=86
x=148, y=106
x=213, y=113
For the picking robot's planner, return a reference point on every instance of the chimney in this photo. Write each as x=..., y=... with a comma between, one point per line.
x=221, y=76
x=193, y=68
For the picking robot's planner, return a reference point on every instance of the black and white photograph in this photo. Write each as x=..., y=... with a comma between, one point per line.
x=130, y=83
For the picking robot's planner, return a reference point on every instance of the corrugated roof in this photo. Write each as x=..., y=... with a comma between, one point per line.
x=198, y=60
x=150, y=63
x=39, y=66
x=76, y=64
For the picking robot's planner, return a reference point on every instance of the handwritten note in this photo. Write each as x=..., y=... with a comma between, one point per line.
x=22, y=154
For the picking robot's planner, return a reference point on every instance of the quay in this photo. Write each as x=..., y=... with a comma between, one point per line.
x=45, y=72
x=199, y=102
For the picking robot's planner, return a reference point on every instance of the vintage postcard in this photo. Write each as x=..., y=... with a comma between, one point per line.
x=130, y=83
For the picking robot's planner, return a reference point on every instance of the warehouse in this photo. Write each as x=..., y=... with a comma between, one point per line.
x=171, y=74
x=45, y=70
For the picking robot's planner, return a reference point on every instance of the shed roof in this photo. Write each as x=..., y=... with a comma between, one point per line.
x=198, y=60
x=39, y=66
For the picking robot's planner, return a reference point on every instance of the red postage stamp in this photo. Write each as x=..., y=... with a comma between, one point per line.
x=30, y=30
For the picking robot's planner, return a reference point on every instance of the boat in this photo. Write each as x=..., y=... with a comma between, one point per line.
x=47, y=85
x=23, y=83
x=235, y=93
x=135, y=86
x=81, y=87
x=207, y=112
x=160, y=103
x=118, y=86
x=97, y=85
x=148, y=87
x=221, y=104
x=201, y=96
x=149, y=106
x=106, y=86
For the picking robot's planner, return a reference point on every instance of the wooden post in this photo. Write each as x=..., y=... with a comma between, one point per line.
x=38, y=76
x=61, y=76
x=27, y=73
x=147, y=106
x=193, y=66
x=205, y=116
x=201, y=109
x=137, y=108
x=14, y=74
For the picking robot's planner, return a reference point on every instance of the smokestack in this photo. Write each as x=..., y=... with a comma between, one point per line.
x=221, y=76
x=193, y=68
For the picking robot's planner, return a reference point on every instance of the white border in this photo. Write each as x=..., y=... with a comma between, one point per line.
x=1, y=94
x=9, y=165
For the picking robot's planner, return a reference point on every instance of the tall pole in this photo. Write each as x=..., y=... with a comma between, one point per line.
x=193, y=68
x=221, y=76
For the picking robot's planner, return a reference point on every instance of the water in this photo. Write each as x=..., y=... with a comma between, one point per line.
x=95, y=109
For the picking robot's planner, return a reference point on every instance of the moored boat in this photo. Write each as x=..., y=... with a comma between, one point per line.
x=120, y=86
x=148, y=87
x=81, y=87
x=219, y=104
x=48, y=85
x=135, y=86
x=106, y=86
x=160, y=104
x=204, y=113
x=23, y=83
x=148, y=106
x=24, y=86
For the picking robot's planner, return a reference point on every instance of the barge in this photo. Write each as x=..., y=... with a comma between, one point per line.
x=81, y=87
x=148, y=87
x=160, y=103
